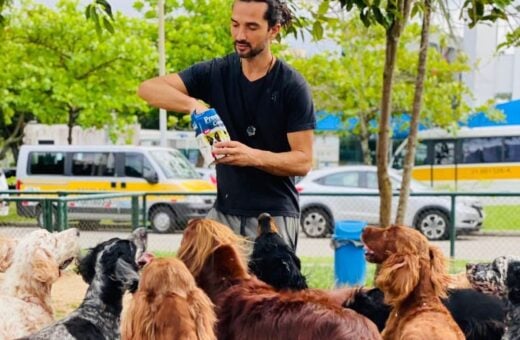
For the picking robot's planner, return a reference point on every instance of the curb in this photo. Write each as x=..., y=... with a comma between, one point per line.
x=512, y=233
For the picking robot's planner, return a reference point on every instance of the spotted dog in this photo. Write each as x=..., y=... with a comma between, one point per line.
x=501, y=278
x=110, y=269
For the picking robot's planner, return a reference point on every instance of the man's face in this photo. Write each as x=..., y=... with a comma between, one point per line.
x=249, y=29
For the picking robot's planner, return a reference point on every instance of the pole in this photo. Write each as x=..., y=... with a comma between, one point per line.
x=162, y=70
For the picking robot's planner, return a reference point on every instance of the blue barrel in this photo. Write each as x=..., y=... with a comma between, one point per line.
x=349, y=255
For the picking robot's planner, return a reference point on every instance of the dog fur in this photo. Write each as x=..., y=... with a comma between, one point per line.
x=168, y=305
x=25, y=293
x=248, y=308
x=501, y=278
x=272, y=260
x=110, y=269
x=413, y=278
x=7, y=247
x=480, y=316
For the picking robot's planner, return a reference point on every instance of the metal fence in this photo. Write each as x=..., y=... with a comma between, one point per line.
x=487, y=225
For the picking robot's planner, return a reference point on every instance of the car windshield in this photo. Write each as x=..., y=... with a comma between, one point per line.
x=174, y=165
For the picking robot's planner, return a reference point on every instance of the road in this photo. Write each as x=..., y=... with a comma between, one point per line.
x=467, y=247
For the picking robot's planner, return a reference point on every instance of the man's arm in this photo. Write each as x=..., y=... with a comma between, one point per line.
x=296, y=162
x=169, y=93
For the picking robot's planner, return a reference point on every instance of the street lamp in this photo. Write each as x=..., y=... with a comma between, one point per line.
x=162, y=70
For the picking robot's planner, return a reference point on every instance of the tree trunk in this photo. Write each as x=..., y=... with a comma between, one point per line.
x=15, y=137
x=73, y=116
x=409, y=159
x=393, y=34
x=364, y=138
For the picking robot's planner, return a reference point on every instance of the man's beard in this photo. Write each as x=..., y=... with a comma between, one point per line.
x=253, y=52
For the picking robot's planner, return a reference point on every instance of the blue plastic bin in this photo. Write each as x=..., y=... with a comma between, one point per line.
x=349, y=255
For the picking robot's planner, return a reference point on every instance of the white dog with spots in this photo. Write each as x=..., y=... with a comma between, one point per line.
x=25, y=293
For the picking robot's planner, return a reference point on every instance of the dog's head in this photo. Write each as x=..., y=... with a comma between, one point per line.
x=115, y=261
x=266, y=224
x=46, y=254
x=166, y=275
x=404, y=255
x=200, y=239
x=500, y=277
x=7, y=247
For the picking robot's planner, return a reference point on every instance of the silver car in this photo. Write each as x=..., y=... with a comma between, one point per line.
x=428, y=214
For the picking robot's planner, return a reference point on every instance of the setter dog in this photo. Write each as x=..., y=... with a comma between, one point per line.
x=248, y=308
x=413, y=279
x=25, y=294
x=168, y=305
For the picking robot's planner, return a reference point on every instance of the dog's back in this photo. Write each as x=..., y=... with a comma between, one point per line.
x=273, y=261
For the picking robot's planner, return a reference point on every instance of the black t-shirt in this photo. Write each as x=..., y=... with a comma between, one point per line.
x=275, y=104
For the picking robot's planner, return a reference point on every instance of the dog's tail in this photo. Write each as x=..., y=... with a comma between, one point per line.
x=266, y=224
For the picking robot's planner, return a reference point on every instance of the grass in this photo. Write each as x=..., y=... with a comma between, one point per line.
x=501, y=217
x=320, y=271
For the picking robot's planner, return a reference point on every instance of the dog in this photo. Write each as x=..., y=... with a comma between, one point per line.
x=272, y=260
x=7, y=247
x=500, y=278
x=168, y=305
x=480, y=316
x=110, y=269
x=25, y=293
x=248, y=308
x=414, y=279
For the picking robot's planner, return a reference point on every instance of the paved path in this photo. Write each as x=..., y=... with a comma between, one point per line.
x=468, y=247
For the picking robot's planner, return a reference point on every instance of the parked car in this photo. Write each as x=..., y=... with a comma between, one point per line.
x=429, y=214
x=115, y=168
x=209, y=174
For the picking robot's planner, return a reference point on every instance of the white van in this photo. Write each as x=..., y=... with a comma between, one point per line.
x=114, y=169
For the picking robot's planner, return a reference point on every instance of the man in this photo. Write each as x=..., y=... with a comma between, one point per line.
x=267, y=109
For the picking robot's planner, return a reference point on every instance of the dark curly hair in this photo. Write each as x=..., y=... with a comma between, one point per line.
x=277, y=12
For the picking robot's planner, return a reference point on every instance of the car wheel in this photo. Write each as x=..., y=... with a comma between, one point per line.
x=316, y=222
x=162, y=220
x=39, y=217
x=434, y=224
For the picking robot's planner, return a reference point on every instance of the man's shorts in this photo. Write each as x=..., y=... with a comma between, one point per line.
x=288, y=227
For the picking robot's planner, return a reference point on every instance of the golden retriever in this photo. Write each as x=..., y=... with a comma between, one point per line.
x=25, y=292
x=168, y=305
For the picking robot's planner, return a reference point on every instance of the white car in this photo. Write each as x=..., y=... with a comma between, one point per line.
x=428, y=214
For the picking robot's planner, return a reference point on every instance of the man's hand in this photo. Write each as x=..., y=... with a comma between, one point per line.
x=237, y=154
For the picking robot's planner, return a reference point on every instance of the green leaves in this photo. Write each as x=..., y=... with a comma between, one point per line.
x=100, y=12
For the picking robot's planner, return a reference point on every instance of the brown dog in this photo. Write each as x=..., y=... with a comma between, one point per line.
x=413, y=279
x=168, y=305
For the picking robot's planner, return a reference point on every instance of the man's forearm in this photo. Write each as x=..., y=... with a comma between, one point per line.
x=164, y=93
x=291, y=163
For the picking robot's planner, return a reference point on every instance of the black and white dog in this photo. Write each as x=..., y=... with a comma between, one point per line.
x=110, y=269
x=500, y=278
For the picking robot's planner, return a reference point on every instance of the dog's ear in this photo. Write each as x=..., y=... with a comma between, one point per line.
x=398, y=276
x=439, y=277
x=7, y=247
x=87, y=265
x=227, y=263
x=45, y=268
x=513, y=282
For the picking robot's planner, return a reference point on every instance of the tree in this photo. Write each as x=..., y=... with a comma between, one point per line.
x=409, y=160
x=349, y=82
x=64, y=74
